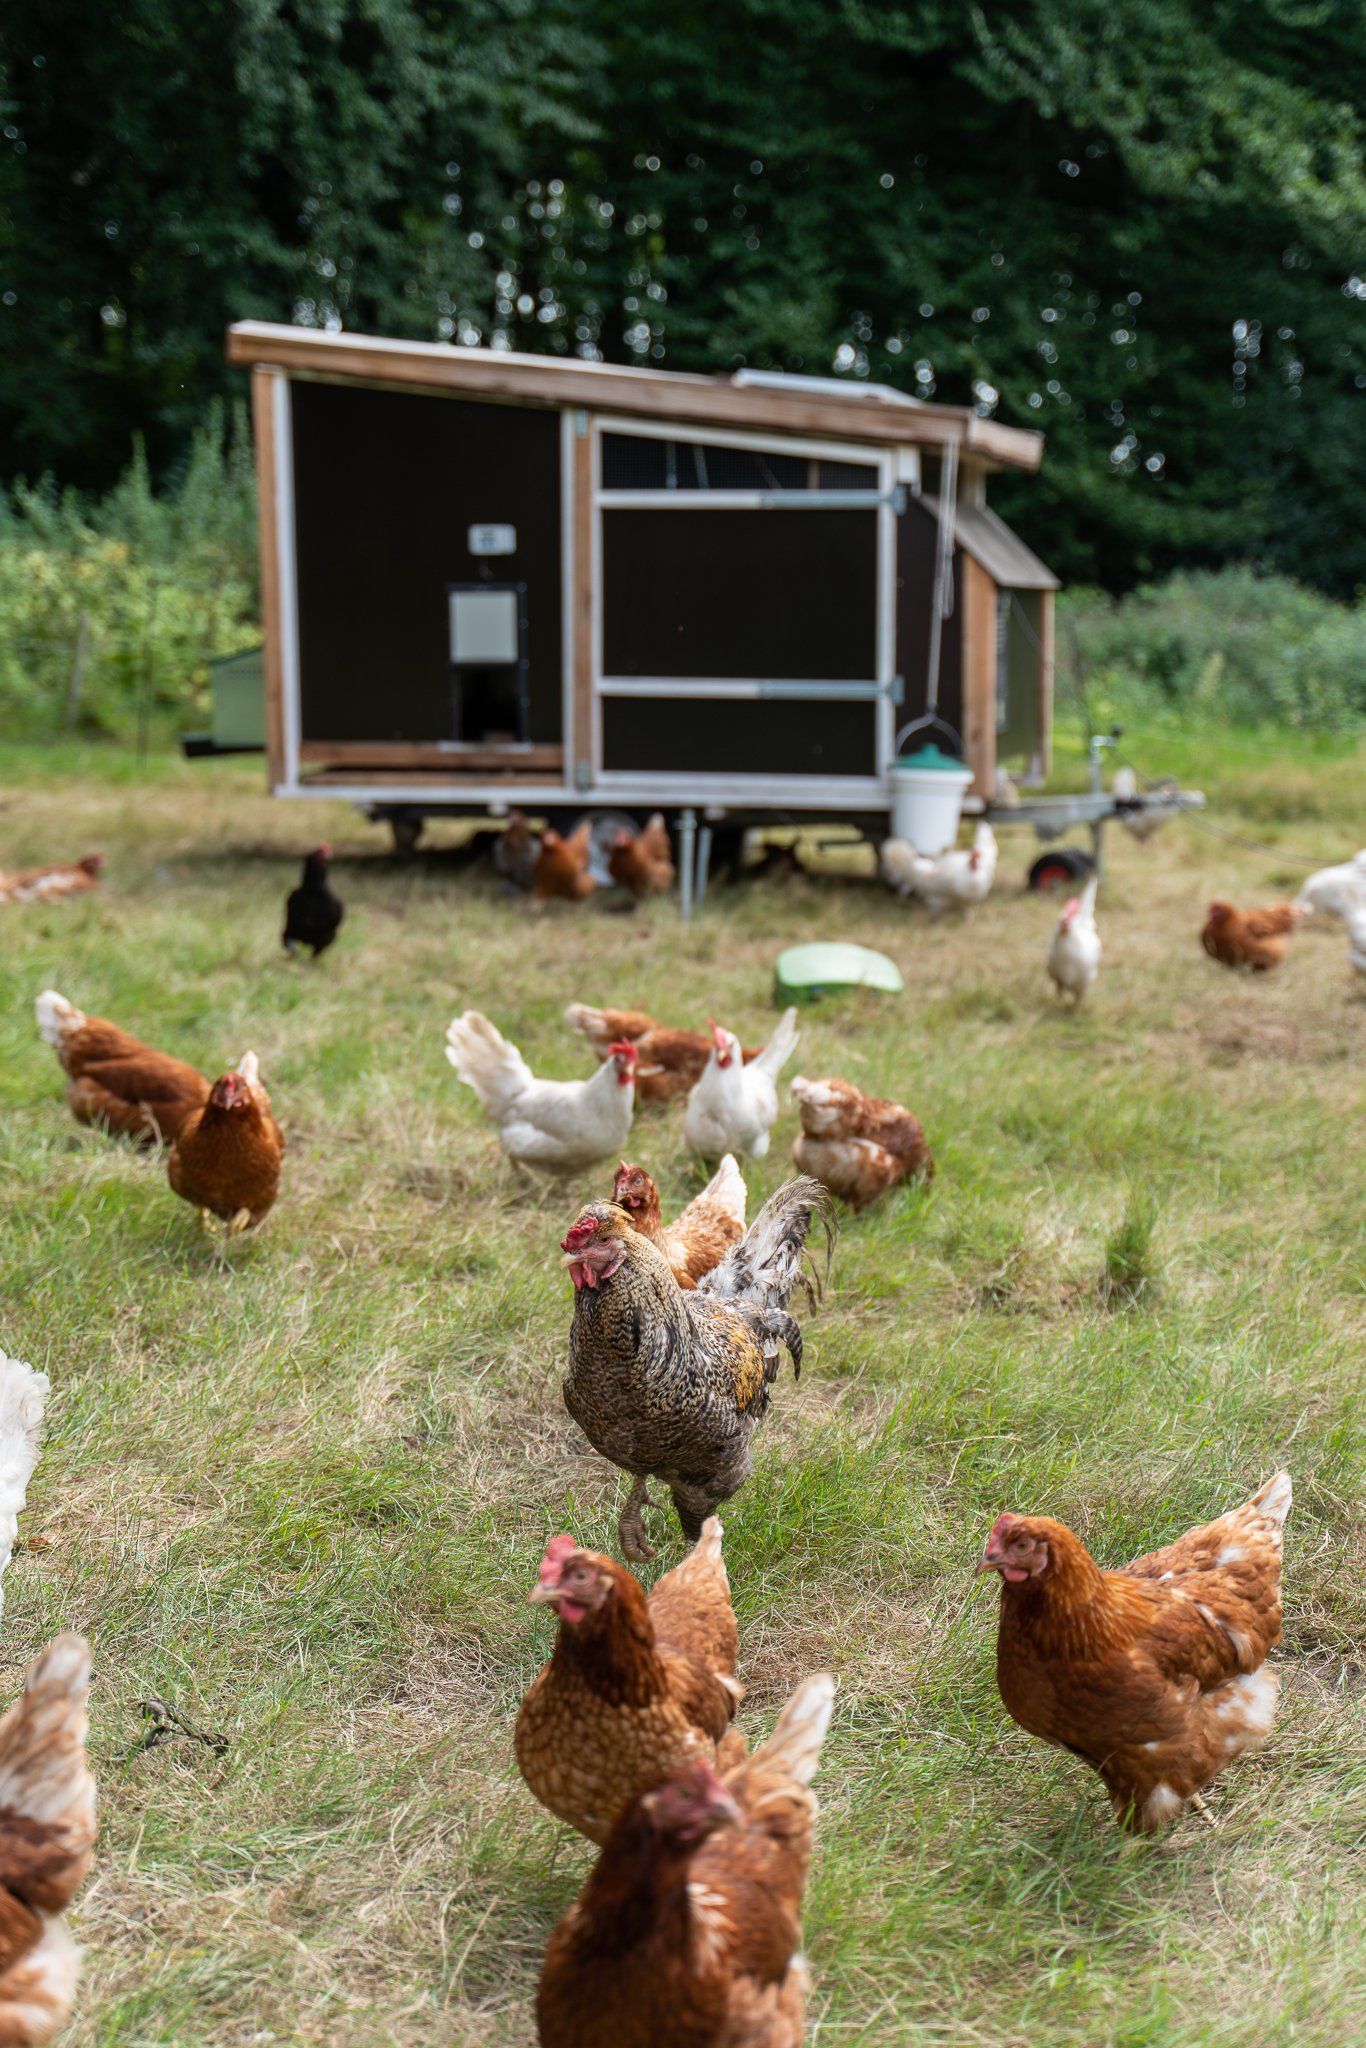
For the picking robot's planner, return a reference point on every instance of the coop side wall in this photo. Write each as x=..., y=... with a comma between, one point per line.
x=263, y=383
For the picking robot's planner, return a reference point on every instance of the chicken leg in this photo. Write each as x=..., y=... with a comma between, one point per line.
x=635, y=1544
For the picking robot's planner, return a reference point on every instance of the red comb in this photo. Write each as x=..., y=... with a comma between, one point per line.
x=556, y=1551
x=578, y=1234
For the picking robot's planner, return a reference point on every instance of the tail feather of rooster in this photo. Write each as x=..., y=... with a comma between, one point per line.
x=57, y=1018
x=794, y=1747
x=23, y=1398
x=772, y=1256
x=486, y=1062
x=1088, y=897
x=780, y=1047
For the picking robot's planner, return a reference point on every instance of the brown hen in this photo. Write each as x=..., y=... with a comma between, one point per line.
x=643, y=861
x=47, y=885
x=47, y=1837
x=1255, y=939
x=636, y=1687
x=857, y=1144
x=687, y=1932
x=561, y=866
x=700, y=1235
x=1153, y=1675
x=671, y=1062
x=227, y=1157
x=116, y=1081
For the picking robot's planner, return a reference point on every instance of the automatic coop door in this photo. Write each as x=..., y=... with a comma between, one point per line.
x=488, y=661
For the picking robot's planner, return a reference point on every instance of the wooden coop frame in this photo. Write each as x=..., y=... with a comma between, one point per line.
x=679, y=542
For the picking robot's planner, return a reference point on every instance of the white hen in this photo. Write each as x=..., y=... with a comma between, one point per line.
x=734, y=1107
x=23, y=1397
x=1155, y=810
x=958, y=879
x=1336, y=890
x=1074, y=949
x=1356, y=935
x=558, y=1125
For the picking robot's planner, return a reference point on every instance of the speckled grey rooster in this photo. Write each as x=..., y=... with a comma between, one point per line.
x=672, y=1384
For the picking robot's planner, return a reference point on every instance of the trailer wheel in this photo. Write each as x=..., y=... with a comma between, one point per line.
x=1059, y=869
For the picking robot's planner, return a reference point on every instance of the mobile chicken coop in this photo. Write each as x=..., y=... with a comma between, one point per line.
x=494, y=579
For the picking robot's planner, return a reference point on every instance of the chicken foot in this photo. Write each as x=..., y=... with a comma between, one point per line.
x=635, y=1544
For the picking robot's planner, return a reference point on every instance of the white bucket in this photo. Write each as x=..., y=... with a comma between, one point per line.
x=927, y=804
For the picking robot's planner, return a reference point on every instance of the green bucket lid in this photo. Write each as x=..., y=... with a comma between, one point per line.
x=806, y=973
x=929, y=756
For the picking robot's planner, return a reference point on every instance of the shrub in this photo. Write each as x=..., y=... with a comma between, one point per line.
x=1222, y=646
x=110, y=612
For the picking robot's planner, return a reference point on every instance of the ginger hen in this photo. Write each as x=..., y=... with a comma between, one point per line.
x=700, y=1235
x=227, y=1157
x=675, y=1384
x=858, y=1145
x=671, y=1062
x=643, y=861
x=687, y=1932
x=47, y=1837
x=1154, y=1675
x=1255, y=939
x=637, y=1687
x=113, y=1079
x=561, y=866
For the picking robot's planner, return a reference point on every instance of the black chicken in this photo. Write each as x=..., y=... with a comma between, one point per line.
x=674, y=1384
x=313, y=913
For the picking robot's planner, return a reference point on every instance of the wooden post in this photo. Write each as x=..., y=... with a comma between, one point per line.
x=1047, y=670
x=579, y=743
x=977, y=597
x=263, y=433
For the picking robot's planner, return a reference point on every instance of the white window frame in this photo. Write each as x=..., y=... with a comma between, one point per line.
x=878, y=689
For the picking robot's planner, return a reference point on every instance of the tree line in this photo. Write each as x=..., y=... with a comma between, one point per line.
x=1135, y=224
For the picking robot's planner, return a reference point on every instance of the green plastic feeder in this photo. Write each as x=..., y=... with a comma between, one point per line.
x=827, y=968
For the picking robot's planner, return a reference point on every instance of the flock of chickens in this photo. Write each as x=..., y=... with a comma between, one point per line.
x=688, y=1928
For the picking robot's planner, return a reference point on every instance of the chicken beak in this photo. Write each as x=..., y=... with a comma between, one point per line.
x=544, y=1593
x=728, y=1811
x=993, y=1557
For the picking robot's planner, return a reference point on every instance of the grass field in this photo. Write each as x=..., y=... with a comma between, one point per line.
x=304, y=1495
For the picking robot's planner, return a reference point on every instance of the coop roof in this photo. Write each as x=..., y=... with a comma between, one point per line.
x=984, y=535
x=828, y=407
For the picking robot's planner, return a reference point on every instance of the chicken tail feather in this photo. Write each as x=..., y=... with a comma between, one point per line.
x=57, y=1018
x=781, y=1045
x=772, y=1257
x=1274, y=1498
x=486, y=1062
x=794, y=1747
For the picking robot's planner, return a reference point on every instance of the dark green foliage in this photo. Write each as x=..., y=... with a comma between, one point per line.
x=1231, y=647
x=1132, y=224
